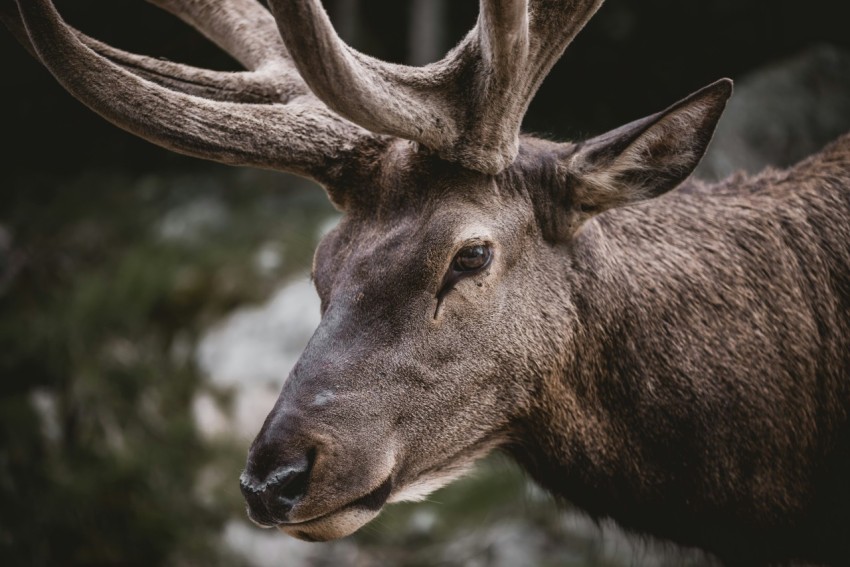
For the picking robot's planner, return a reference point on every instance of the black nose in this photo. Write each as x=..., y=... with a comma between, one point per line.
x=270, y=497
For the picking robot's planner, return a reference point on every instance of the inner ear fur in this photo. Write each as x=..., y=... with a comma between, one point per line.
x=643, y=159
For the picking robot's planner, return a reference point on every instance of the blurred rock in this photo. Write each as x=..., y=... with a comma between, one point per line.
x=269, y=258
x=782, y=114
x=192, y=221
x=261, y=344
x=271, y=549
x=252, y=352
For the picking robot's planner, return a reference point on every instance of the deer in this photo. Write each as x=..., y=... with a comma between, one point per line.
x=667, y=353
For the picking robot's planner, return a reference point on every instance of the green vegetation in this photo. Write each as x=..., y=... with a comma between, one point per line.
x=99, y=454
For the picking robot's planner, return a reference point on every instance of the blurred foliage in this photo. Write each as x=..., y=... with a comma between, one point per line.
x=99, y=454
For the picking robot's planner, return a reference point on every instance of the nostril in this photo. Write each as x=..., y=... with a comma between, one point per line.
x=288, y=484
x=280, y=490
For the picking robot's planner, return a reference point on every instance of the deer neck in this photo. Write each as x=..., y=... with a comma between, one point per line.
x=586, y=423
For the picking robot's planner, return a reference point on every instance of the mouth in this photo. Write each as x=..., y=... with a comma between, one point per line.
x=346, y=518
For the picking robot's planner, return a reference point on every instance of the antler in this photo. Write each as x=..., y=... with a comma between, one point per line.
x=467, y=107
x=242, y=28
x=198, y=112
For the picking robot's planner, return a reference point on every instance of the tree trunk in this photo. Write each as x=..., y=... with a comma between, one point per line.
x=427, y=31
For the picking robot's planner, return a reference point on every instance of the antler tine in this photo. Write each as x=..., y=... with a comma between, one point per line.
x=469, y=106
x=259, y=87
x=248, y=87
x=554, y=24
x=242, y=28
x=10, y=18
x=504, y=35
x=302, y=137
x=362, y=89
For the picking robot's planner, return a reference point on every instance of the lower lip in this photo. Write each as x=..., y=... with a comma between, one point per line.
x=372, y=501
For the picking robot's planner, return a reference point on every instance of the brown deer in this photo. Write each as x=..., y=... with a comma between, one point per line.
x=672, y=355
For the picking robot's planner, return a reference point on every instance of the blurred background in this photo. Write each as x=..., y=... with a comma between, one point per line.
x=151, y=304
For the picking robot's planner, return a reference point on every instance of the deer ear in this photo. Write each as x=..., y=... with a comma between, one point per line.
x=648, y=157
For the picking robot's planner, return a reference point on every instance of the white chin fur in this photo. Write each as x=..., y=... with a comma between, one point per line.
x=420, y=488
x=333, y=526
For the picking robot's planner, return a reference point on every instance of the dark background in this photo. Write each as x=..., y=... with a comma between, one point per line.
x=635, y=57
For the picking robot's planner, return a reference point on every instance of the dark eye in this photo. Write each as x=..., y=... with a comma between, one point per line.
x=472, y=258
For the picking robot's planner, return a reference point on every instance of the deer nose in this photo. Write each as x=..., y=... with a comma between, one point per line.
x=270, y=498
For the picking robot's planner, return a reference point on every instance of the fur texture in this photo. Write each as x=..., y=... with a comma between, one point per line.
x=675, y=359
x=680, y=364
x=705, y=390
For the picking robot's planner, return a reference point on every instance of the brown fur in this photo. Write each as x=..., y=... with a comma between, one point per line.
x=705, y=393
x=676, y=359
x=681, y=365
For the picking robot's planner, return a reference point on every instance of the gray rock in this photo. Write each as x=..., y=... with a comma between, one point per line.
x=781, y=114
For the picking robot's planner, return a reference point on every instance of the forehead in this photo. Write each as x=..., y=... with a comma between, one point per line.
x=412, y=184
x=435, y=211
x=418, y=202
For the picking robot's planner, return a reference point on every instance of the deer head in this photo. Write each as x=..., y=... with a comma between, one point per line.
x=448, y=293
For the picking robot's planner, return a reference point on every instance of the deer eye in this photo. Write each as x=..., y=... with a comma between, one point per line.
x=472, y=258
x=467, y=262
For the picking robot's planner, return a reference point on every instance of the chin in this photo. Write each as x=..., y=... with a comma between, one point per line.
x=332, y=526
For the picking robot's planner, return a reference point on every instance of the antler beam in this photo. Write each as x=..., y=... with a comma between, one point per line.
x=467, y=107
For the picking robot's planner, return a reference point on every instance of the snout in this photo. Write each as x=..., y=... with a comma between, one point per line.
x=312, y=484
